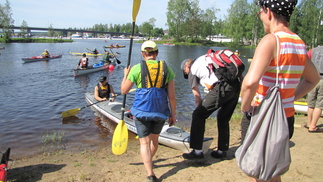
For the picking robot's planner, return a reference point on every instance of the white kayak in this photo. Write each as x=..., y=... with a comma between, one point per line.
x=173, y=136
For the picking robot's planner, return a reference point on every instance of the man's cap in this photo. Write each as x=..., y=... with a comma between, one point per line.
x=281, y=7
x=182, y=68
x=84, y=55
x=151, y=45
x=103, y=78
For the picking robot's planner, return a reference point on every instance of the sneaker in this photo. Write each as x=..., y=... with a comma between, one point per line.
x=152, y=178
x=193, y=155
x=215, y=154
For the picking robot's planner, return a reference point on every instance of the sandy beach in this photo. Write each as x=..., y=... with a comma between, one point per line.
x=101, y=165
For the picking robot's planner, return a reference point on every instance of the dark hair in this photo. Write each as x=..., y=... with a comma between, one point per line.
x=282, y=9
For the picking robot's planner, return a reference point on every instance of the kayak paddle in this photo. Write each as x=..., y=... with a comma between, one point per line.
x=73, y=112
x=120, y=135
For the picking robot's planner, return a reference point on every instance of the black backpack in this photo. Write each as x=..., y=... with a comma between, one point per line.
x=226, y=65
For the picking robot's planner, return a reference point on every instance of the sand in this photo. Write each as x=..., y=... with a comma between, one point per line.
x=101, y=165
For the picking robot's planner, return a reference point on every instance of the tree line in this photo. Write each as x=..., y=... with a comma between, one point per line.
x=187, y=22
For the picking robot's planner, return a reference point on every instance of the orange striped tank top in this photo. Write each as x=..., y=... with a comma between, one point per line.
x=292, y=59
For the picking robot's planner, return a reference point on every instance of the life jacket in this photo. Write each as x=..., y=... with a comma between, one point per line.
x=151, y=101
x=104, y=91
x=84, y=62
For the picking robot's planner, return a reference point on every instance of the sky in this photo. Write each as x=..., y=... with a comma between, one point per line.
x=87, y=13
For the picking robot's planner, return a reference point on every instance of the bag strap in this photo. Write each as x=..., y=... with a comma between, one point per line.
x=277, y=57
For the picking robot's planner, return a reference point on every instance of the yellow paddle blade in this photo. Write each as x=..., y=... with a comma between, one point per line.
x=135, y=9
x=71, y=112
x=300, y=103
x=120, y=139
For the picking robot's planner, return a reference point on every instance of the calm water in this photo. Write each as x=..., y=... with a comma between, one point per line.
x=33, y=95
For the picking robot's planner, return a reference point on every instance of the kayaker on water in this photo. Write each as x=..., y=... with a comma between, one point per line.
x=106, y=57
x=95, y=51
x=83, y=62
x=103, y=90
x=45, y=54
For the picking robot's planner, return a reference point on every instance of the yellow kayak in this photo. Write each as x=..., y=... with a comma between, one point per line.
x=88, y=54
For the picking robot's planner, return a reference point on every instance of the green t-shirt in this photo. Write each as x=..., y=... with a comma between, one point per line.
x=135, y=73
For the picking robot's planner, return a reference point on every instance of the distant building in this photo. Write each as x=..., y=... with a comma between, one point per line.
x=219, y=38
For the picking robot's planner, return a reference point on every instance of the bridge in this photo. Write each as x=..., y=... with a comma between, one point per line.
x=65, y=31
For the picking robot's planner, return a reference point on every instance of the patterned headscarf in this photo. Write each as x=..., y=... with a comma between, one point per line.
x=282, y=7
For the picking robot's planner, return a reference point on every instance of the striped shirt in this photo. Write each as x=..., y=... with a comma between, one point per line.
x=292, y=59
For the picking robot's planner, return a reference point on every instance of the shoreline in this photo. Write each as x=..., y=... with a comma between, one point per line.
x=102, y=165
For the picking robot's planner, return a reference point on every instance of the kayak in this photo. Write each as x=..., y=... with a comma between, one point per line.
x=40, y=58
x=299, y=106
x=173, y=136
x=4, y=166
x=169, y=44
x=93, y=68
x=110, y=47
x=87, y=54
x=2, y=48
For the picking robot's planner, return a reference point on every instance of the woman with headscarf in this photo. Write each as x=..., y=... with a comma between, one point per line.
x=293, y=64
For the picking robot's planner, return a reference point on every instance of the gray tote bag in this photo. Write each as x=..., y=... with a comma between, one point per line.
x=264, y=152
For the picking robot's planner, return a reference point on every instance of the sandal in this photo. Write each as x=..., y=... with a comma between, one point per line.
x=305, y=126
x=316, y=130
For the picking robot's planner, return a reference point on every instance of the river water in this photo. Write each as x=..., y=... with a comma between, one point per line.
x=33, y=95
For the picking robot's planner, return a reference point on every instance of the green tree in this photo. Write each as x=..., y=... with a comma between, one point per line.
x=6, y=21
x=146, y=28
x=305, y=21
x=192, y=26
x=157, y=32
x=176, y=17
x=209, y=26
x=237, y=20
x=24, y=29
x=51, y=32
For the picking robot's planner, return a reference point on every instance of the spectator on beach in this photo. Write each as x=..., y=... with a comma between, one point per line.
x=103, y=90
x=315, y=96
x=222, y=95
x=83, y=62
x=293, y=64
x=155, y=84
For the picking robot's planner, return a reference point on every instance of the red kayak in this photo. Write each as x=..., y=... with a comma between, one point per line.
x=4, y=166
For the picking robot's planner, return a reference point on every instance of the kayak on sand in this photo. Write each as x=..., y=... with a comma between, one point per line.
x=173, y=136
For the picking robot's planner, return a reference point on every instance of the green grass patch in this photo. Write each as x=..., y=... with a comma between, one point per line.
x=35, y=40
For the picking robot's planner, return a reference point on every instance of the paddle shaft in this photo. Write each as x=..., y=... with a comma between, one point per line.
x=115, y=58
x=135, y=9
x=128, y=64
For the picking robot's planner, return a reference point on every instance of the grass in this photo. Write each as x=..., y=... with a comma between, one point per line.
x=52, y=141
x=35, y=40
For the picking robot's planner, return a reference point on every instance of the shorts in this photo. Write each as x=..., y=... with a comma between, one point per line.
x=315, y=96
x=145, y=128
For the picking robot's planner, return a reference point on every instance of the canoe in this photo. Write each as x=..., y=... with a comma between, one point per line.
x=40, y=58
x=173, y=136
x=110, y=47
x=92, y=69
